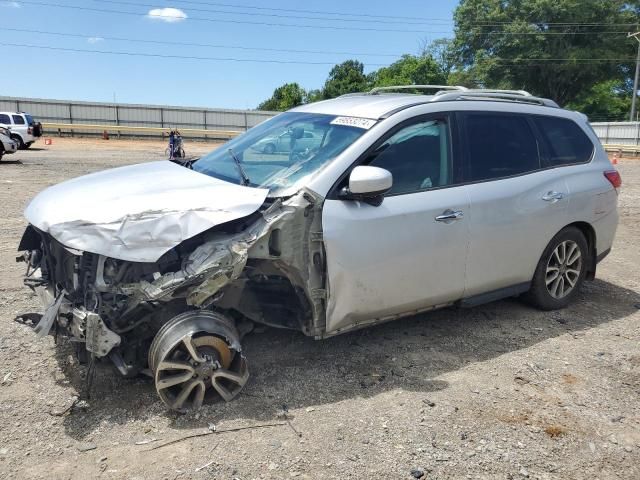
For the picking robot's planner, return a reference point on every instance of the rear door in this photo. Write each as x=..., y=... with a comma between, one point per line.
x=409, y=252
x=516, y=206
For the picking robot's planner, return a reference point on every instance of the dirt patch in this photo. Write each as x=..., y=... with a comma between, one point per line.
x=569, y=379
x=475, y=393
x=555, y=431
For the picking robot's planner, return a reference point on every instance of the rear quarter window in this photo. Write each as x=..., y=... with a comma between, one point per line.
x=565, y=142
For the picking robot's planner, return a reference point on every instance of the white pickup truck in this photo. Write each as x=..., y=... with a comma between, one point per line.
x=24, y=130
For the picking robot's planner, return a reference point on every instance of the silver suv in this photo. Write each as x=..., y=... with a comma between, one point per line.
x=408, y=203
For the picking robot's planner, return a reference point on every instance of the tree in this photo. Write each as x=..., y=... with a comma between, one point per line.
x=553, y=48
x=409, y=70
x=285, y=97
x=607, y=101
x=443, y=52
x=346, y=77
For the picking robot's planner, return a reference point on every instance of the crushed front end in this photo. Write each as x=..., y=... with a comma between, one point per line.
x=180, y=318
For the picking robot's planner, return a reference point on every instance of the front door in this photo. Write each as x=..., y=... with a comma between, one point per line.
x=408, y=253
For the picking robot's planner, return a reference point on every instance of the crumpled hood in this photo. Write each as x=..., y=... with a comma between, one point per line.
x=139, y=212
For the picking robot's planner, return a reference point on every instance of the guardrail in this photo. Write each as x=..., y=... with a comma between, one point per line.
x=631, y=149
x=118, y=129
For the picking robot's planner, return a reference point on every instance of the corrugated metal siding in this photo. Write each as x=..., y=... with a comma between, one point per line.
x=618, y=133
x=163, y=116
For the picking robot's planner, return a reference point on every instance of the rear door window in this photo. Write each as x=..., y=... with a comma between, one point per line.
x=565, y=142
x=18, y=120
x=499, y=145
x=4, y=119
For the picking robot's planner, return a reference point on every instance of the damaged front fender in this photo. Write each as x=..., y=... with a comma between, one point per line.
x=210, y=267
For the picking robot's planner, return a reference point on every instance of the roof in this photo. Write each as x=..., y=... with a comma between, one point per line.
x=364, y=106
x=380, y=102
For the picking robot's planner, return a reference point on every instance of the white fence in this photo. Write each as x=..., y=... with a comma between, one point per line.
x=618, y=133
x=133, y=115
x=167, y=117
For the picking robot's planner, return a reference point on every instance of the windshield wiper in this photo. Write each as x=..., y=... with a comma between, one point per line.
x=245, y=179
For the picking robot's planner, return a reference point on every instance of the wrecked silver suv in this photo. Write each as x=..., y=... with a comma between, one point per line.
x=160, y=267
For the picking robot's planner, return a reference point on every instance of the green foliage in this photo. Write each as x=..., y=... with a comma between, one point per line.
x=346, y=77
x=510, y=44
x=409, y=70
x=607, y=101
x=443, y=53
x=285, y=97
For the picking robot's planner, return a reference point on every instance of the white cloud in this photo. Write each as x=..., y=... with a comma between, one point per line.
x=93, y=40
x=169, y=15
x=10, y=4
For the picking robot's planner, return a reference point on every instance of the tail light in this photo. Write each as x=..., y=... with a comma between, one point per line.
x=30, y=131
x=614, y=178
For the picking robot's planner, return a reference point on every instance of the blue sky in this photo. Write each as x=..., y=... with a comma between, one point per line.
x=208, y=83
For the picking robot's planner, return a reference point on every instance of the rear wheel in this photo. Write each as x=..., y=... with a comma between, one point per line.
x=196, y=358
x=27, y=145
x=18, y=140
x=560, y=271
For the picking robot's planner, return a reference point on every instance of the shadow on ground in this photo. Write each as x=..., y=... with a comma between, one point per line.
x=292, y=371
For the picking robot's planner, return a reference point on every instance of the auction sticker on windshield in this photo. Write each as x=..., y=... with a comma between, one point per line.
x=365, y=123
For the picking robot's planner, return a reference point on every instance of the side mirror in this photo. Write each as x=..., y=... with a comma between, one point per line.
x=368, y=184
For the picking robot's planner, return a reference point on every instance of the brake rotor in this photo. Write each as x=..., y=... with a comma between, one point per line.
x=217, y=346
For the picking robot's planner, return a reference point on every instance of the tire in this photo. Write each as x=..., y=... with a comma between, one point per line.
x=549, y=292
x=19, y=141
x=269, y=149
x=27, y=145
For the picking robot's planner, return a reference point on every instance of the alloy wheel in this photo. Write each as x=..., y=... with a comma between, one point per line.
x=563, y=269
x=193, y=366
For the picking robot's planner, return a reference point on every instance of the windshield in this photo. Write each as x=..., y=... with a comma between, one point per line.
x=282, y=151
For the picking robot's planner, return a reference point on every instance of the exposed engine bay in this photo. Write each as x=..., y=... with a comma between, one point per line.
x=179, y=316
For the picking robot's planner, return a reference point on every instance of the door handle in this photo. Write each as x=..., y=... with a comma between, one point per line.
x=449, y=216
x=552, y=196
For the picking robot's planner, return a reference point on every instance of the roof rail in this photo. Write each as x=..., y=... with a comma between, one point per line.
x=494, y=95
x=439, y=88
x=524, y=93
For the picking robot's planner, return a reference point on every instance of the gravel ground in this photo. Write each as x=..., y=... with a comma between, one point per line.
x=499, y=391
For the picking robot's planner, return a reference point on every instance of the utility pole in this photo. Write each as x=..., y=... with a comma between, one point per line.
x=632, y=115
